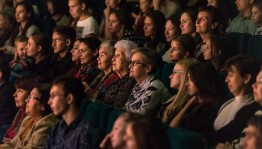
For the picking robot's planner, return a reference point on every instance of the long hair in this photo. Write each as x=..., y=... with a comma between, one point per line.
x=180, y=99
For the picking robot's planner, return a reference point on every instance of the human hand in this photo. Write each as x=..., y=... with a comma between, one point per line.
x=224, y=146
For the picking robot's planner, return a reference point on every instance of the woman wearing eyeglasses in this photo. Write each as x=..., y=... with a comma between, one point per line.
x=178, y=80
x=39, y=122
x=149, y=92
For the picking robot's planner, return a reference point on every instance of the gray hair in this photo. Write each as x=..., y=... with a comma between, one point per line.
x=127, y=45
x=109, y=44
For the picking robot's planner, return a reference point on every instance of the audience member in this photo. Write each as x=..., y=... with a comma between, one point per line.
x=75, y=52
x=167, y=7
x=58, y=11
x=257, y=17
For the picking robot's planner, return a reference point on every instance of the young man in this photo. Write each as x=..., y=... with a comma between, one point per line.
x=61, y=62
x=86, y=24
x=242, y=23
x=72, y=131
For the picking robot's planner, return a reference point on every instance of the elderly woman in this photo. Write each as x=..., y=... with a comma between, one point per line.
x=39, y=122
x=149, y=92
x=117, y=93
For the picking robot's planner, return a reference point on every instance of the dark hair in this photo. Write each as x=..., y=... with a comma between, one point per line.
x=150, y=133
x=28, y=82
x=44, y=41
x=192, y=15
x=205, y=78
x=21, y=38
x=188, y=43
x=44, y=90
x=150, y=57
x=159, y=21
x=245, y=65
x=71, y=85
x=5, y=69
x=175, y=20
x=91, y=42
x=123, y=18
x=257, y=122
x=66, y=32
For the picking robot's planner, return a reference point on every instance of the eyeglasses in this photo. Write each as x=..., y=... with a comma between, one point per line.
x=135, y=63
x=56, y=40
x=55, y=95
x=177, y=71
x=30, y=97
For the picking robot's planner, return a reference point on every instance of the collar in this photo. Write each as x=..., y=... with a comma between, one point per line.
x=74, y=123
x=244, y=98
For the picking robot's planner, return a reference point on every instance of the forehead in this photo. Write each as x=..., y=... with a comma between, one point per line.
x=19, y=43
x=56, y=88
x=148, y=20
x=20, y=7
x=73, y=2
x=56, y=35
x=137, y=56
x=35, y=91
x=120, y=50
x=177, y=66
x=103, y=49
x=204, y=14
x=259, y=76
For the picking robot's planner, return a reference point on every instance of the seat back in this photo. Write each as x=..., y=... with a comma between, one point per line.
x=255, y=47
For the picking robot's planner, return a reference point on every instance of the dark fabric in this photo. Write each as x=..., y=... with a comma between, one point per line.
x=41, y=67
x=132, y=36
x=7, y=104
x=118, y=93
x=89, y=72
x=77, y=135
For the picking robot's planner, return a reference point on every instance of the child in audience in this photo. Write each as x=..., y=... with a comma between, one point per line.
x=21, y=64
x=257, y=17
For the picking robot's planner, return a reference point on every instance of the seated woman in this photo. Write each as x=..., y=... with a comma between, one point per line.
x=149, y=92
x=116, y=138
x=200, y=111
x=39, y=122
x=23, y=87
x=118, y=92
x=178, y=80
x=120, y=27
x=75, y=59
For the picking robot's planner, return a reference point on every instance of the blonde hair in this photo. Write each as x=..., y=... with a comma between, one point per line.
x=177, y=102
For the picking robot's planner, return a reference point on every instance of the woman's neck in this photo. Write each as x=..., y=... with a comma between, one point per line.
x=22, y=24
x=38, y=58
x=122, y=73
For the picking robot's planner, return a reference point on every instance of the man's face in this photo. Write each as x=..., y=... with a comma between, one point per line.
x=59, y=44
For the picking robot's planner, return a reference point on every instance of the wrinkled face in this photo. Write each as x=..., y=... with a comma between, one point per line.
x=243, y=5
x=75, y=51
x=176, y=51
x=119, y=61
x=58, y=101
x=257, y=88
x=105, y=58
x=170, y=31
x=20, y=97
x=118, y=133
x=207, y=51
x=75, y=8
x=203, y=22
x=176, y=76
x=33, y=107
x=86, y=54
x=20, y=49
x=148, y=27
x=252, y=140
x=187, y=26
x=192, y=89
x=144, y=5
x=21, y=14
x=235, y=81
x=59, y=44
x=31, y=48
x=256, y=15
x=138, y=69
x=114, y=24
x=131, y=142
x=212, y=3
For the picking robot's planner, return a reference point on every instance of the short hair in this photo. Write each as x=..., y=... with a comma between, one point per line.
x=28, y=82
x=44, y=41
x=21, y=38
x=110, y=45
x=187, y=42
x=127, y=45
x=71, y=85
x=5, y=69
x=66, y=32
x=150, y=57
x=44, y=90
x=245, y=65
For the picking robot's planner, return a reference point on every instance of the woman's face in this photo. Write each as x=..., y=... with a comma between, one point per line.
x=118, y=132
x=120, y=62
x=33, y=107
x=138, y=69
x=112, y=3
x=50, y=7
x=207, y=51
x=31, y=48
x=86, y=54
x=75, y=51
x=176, y=76
x=256, y=15
x=170, y=31
x=131, y=142
x=203, y=22
x=176, y=51
x=21, y=14
x=257, y=88
x=114, y=24
x=192, y=89
x=105, y=58
x=148, y=27
x=20, y=97
x=187, y=26
x=144, y=5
